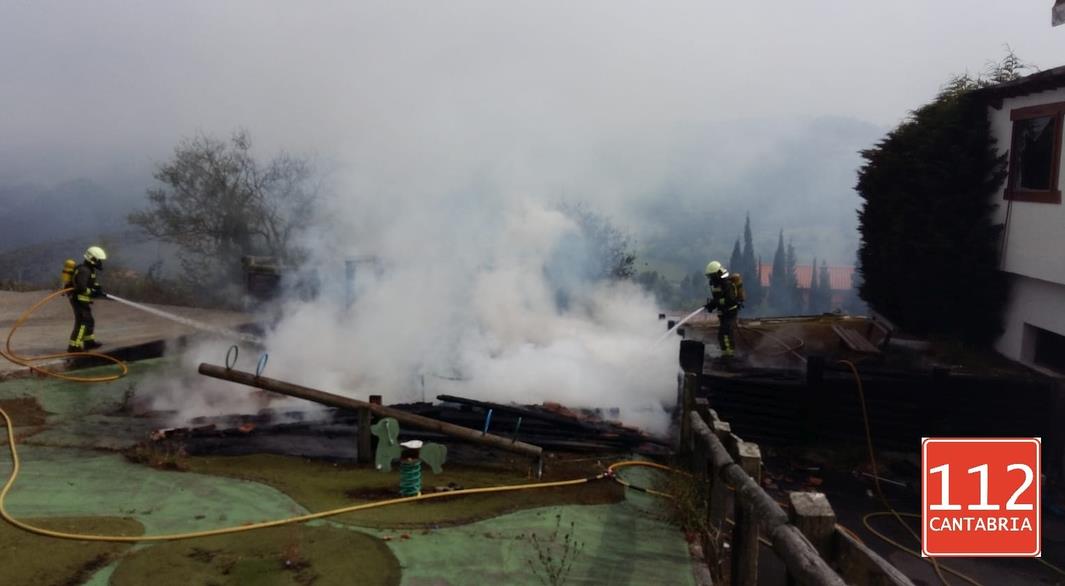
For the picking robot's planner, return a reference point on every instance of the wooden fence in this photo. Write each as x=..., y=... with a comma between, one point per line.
x=814, y=549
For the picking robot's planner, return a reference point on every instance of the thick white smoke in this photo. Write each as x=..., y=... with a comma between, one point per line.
x=480, y=296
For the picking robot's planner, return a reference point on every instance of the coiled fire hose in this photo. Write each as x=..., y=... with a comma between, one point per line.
x=28, y=361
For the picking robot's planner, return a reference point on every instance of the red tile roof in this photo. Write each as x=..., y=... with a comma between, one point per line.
x=839, y=277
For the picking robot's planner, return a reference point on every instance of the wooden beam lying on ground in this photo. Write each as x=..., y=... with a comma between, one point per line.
x=341, y=402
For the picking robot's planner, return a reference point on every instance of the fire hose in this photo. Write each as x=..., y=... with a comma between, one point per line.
x=28, y=361
x=17, y=466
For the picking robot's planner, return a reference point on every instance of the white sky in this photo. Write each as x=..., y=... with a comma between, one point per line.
x=108, y=87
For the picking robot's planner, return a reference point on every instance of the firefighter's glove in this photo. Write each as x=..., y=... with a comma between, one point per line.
x=97, y=292
x=710, y=306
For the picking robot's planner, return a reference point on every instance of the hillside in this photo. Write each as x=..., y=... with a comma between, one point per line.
x=40, y=264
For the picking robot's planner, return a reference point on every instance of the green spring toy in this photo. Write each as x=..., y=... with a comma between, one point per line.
x=410, y=477
x=410, y=454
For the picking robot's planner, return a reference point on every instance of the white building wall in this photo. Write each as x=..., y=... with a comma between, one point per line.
x=1035, y=303
x=1035, y=241
x=1034, y=248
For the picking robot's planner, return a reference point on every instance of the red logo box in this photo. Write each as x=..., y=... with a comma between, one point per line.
x=981, y=497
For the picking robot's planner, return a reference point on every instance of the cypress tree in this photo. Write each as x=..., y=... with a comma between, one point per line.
x=793, y=302
x=751, y=268
x=778, y=280
x=825, y=291
x=735, y=262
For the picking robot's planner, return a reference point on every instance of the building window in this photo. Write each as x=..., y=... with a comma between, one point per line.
x=1049, y=350
x=1035, y=154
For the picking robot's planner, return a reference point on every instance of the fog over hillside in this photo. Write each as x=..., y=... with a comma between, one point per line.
x=795, y=175
x=663, y=117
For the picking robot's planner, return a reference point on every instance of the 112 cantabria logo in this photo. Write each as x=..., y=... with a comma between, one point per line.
x=981, y=497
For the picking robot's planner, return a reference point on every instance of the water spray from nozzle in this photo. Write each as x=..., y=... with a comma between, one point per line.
x=224, y=332
x=677, y=326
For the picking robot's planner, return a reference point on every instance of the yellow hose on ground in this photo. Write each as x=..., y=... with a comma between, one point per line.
x=880, y=493
x=613, y=468
x=28, y=361
x=16, y=467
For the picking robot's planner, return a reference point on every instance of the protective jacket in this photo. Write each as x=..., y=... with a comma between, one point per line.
x=84, y=287
x=84, y=284
x=724, y=297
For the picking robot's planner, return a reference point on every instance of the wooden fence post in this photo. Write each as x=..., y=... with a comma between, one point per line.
x=745, y=533
x=813, y=516
x=719, y=491
x=687, y=405
x=691, y=362
x=701, y=466
x=365, y=443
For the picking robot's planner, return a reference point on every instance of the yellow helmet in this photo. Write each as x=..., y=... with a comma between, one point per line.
x=95, y=256
x=713, y=268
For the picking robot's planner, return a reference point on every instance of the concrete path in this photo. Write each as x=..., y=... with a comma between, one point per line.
x=117, y=325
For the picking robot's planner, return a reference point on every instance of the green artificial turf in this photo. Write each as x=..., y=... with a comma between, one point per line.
x=298, y=554
x=319, y=485
x=33, y=559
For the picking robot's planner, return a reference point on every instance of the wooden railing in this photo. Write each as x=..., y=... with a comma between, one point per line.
x=814, y=549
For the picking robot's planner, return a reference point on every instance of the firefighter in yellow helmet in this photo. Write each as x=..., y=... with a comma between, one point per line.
x=726, y=298
x=84, y=288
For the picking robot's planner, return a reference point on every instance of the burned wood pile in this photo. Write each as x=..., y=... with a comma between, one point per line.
x=550, y=426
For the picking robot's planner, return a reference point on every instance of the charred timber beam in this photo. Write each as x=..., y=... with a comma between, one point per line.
x=341, y=402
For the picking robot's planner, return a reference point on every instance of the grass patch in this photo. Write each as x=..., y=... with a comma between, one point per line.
x=292, y=555
x=319, y=485
x=689, y=510
x=46, y=560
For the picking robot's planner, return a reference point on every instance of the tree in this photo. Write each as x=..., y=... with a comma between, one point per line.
x=778, y=280
x=853, y=302
x=812, y=294
x=663, y=290
x=824, y=293
x=607, y=250
x=928, y=254
x=735, y=263
x=217, y=202
x=751, y=269
x=793, y=299
x=693, y=289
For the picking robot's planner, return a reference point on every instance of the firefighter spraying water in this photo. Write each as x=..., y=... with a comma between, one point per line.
x=726, y=296
x=84, y=288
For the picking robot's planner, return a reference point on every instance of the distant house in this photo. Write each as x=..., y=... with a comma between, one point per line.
x=838, y=277
x=1026, y=119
